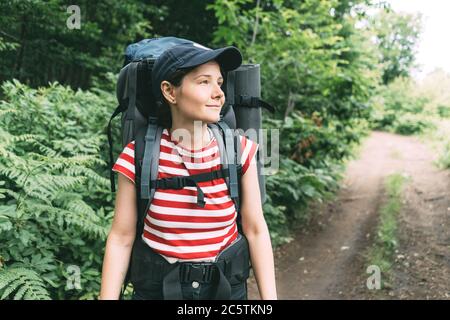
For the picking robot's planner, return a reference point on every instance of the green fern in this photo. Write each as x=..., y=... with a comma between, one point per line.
x=2, y=190
x=24, y=283
x=55, y=208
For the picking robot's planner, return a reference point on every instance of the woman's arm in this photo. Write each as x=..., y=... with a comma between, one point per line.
x=120, y=240
x=255, y=229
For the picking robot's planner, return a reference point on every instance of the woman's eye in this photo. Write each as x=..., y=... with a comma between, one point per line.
x=207, y=82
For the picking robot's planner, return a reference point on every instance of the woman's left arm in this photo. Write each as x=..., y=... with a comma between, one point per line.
x=255, y=229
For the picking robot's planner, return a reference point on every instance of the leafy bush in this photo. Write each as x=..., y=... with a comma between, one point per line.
x=397, y=108
x=311, y=166
x=409, y=124
x=443, y=111
x=56, y=204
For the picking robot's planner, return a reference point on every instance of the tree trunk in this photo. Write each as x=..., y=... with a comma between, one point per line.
x=255, y=27
x=290, y=105
x=19, y=61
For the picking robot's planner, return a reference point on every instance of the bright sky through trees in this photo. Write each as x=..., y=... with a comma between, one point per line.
x=434, y=44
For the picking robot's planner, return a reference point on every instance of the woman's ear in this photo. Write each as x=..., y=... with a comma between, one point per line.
x=168, y=91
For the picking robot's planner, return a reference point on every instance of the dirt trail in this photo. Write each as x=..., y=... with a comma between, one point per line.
x=327, y=259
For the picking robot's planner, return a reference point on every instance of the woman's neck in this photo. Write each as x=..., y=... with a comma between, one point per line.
x=193, y=135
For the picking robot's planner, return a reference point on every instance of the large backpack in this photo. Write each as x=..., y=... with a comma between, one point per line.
x=242, y=110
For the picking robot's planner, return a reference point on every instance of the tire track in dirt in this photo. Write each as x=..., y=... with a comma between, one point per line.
x=326, y=260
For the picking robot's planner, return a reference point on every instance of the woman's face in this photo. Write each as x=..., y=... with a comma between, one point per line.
x=200, y=97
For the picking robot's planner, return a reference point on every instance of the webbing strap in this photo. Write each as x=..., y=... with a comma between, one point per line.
x=232, y=165
x=252, y=102
x=155, y=159
x=237, y=142
x=172, y=285
x=190, y=181
x=223, y=157
x=150, y=138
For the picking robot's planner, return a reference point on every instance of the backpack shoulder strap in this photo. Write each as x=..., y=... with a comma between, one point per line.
x=230, y=156
x=237, y=146
x=220, y=142
x=149, y=146
x=146, y=163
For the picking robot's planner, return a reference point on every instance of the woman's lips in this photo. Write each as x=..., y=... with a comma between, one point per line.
x=212, y=106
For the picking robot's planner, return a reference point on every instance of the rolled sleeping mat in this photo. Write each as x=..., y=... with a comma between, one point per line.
x=247, y=93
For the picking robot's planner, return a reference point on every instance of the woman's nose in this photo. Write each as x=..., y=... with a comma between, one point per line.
x=218, y=93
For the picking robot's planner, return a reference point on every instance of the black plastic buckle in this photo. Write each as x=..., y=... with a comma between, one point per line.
x=246, y=100
x=172, y=183
x=201, y=272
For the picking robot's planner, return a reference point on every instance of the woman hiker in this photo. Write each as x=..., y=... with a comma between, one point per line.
x=187, y=79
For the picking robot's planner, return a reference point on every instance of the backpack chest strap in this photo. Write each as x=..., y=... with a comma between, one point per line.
x=191, y=181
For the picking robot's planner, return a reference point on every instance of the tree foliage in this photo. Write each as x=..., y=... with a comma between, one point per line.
x=319, y=66
x=396, y=37
x=37, y=47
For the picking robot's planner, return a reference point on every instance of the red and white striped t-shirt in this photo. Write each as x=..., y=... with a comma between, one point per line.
x=175, y=226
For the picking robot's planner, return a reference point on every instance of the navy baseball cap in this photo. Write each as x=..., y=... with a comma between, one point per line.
x=188, y=55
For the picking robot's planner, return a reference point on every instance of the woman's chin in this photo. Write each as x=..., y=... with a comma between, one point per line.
x=211, y=116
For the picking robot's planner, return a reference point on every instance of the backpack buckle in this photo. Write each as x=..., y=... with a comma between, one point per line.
x=246, y=100
x=201, y=272
x=152, y=120
x=172, y=183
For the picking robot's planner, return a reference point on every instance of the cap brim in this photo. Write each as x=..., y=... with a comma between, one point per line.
x=229, y=58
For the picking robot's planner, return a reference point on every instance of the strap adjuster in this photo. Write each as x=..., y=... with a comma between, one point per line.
x=201, y=272
x=247, y=100
x=172, y=183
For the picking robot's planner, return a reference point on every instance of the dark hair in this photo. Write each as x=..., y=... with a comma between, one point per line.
x=164, y=114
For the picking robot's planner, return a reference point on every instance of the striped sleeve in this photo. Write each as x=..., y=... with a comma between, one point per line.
x=125, y=162
x=249, y=149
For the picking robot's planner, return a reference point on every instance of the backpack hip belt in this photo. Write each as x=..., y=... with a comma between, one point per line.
x=231, y=267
